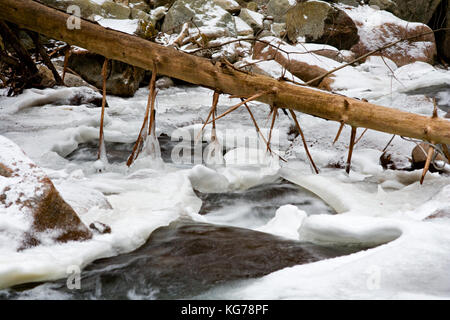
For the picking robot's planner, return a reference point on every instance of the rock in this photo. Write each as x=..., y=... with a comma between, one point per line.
x=139, y=14
x=164, y=83
x=394, y=161
x=415, y=10
x=304, y=66
x=253, y=19
x=443, y=37
x=252, y=6
x=88, y=9
x=32, y=208
x=100, y=228
x=242, y=28
x=325, y=51
x=47, y=78
x=377, y=28
x=139, y=5
x=159, y=3
x=279, y=8
x=320, y=22
x=212, y=20
x=72, y=80
x=116, y=10
x=419, y=157
x=387, y=5
x=123, y=79
x=230, y=5
x=278, y=29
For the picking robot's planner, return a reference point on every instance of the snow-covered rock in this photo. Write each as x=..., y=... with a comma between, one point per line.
x=252, y=18
x=297, y=60
x=212, y=20
x=242, y=28
x=32, y=212
x=230, y=5
x=377, y=28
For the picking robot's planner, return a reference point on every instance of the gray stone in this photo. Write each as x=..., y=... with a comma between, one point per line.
x=164, y=83
x=416, y=10
x=320, y=22
x=230, y=5
x=215, y=20
x=279, y=8
x=123, y=79
x=252, y=18
x=116, y=10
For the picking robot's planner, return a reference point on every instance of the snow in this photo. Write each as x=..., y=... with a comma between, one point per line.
x=124, y=25
x=374, y=32
x=286, y=223
x=375, y=207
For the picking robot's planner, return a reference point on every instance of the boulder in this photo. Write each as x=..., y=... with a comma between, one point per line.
x=212, y=20
x=279, y=8
x=387, y=5
x=47, y=78
x=321, y=22
x=443, y=37
x=115, y=10
x=159, y=3
x=230, y=5
x=377, y=28
x=31, y=209
x=390, y=160
x=253, y=19
x=123, y=79
x=419, y=156
x=415, y=10
x=89, y=9
x=242, y=28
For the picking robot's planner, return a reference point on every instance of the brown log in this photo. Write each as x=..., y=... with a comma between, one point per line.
x=133, y=50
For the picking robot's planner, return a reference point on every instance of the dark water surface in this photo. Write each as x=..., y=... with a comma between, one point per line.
x=187, y=258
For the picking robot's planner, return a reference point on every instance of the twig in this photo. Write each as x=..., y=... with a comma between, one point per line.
x=427, y=162
x=45, y=58
x=258, y=130
x=339, y=132
x=274, y=116
x=304, y=141
x=387, y=145
x=101, y=139
x=213, y=109
x=357, y=140
x=142, y=133
x=350, y=150
x=255, y=96
x=67, y=53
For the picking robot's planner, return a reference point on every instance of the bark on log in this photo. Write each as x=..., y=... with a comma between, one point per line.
x=133, y=50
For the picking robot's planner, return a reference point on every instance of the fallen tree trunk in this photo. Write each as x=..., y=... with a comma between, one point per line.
x=221, y=77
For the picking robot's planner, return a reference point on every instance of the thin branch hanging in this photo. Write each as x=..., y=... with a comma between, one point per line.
x=304, y=141
x=350, y=150
x=101, y=147
x=145, y=127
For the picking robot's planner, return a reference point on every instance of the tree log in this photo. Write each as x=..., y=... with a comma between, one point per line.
x=221, y=77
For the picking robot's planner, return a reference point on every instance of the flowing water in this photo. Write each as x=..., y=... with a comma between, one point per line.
x=187, y=258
